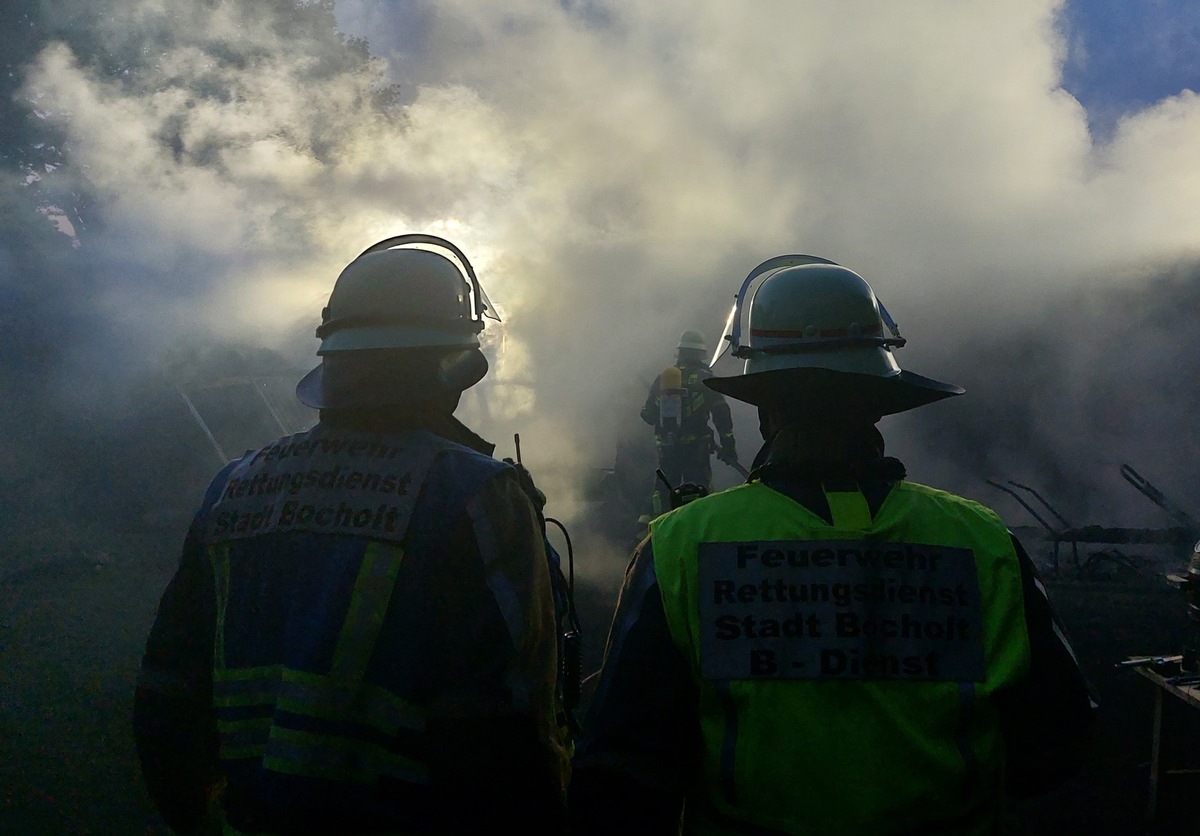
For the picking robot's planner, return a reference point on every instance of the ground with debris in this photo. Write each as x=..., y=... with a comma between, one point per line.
x=71, y=637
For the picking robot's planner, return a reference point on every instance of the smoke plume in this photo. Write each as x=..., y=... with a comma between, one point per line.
x=186, y=179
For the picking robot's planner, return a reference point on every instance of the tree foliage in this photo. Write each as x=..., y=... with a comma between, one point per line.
x=74, y=471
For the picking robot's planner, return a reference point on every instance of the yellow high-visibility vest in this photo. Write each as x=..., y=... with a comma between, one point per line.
x=845, y=671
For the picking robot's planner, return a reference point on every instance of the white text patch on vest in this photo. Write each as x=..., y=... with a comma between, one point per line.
x=325, y=482
x=839, y=609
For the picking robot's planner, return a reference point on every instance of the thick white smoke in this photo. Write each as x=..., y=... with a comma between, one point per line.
x=613, y=170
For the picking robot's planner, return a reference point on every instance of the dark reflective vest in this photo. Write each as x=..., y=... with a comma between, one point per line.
x=315, y=705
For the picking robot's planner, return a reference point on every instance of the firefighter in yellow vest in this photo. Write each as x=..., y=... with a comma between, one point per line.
x=829, y=648
x=679, y=407
x=361, y=636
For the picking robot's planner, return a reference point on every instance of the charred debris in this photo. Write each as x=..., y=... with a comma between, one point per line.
x=1096, y=552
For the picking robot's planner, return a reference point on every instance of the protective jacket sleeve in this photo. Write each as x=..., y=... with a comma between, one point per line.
x=498, y=753
x=722, y=419
x=1048, y=719
x=640, y=735
x=173, y=725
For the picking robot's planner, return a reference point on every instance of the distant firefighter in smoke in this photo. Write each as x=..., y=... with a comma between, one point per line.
x=679, y=407
x=828, y=648
x=361, y=635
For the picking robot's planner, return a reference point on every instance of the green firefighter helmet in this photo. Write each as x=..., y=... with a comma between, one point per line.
x=816, y=332
x=693, y=340
x=401, y=317
x=691, y=350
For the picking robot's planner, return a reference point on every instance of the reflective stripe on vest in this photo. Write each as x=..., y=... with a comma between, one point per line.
x=261, y=710
x=887, y=748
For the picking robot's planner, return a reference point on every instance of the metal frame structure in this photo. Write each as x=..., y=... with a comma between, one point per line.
x=1185, y=531
x=257, y=383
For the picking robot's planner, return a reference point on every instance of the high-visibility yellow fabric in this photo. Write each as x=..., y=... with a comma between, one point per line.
x=842, y=755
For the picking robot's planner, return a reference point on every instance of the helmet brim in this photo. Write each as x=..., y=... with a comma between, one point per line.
x=858, y=393
x=310, y=391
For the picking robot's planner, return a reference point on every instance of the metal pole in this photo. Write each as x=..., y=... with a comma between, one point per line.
x=1042, y=499
x=270, y=407
x=1024, y=505
x=208, y=433
x=1155, y=747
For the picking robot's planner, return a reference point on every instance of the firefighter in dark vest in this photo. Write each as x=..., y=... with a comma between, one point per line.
x=361, y=634
x=828, y=648
x=680, y=407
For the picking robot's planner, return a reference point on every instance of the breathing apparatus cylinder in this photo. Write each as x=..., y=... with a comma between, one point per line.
x=670, y=403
